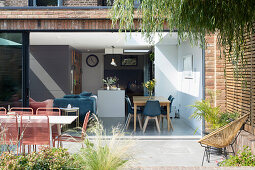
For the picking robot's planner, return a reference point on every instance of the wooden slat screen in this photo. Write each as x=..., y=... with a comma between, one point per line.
x=240, y=97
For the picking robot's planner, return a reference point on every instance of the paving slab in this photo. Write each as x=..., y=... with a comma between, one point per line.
x=164, y=153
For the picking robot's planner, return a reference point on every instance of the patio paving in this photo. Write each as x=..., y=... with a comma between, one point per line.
x=164, y=153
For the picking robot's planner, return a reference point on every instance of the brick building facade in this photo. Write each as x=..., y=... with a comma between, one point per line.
x=77, y=3
x=80, y=3
x=87, y=19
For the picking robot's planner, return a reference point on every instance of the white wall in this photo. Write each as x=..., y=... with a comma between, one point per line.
x=170, y=79
x=166, y=71
x=190, y=90
x=92, y=76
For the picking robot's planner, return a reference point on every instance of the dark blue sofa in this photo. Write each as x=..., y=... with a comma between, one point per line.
x=85, y=103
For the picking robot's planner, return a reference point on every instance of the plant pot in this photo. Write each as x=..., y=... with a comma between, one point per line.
x=108, y=88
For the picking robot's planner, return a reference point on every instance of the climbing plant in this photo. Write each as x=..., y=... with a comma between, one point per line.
x=231, y=20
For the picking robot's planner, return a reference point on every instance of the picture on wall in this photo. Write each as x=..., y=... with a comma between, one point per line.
x=188, y=66
x=129, y=61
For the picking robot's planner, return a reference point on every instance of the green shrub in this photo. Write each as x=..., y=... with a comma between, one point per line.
x=212, y=115
x=243, y=158
x=227, y=117
x=204, y=109
x=46, y=158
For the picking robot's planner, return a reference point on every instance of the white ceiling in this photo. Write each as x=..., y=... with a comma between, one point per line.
x=98, y=41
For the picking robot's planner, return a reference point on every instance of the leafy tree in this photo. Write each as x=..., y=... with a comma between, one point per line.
x=231, y=20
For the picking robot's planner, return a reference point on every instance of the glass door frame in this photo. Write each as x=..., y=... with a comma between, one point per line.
x=25, y=68
x=25, y=65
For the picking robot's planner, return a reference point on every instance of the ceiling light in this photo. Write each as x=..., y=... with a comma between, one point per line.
x=136, y=51
x=113, y=62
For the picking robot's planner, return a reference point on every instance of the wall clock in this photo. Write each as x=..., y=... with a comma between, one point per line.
x=92, y=60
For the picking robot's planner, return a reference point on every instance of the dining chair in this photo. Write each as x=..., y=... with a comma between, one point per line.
x=151, y=110
x=9, y=134
x=23, y=111
x=164, y=113
x=71, y=138
x=170, y=97
x=48, y=111
x=3, y=111
x=44, y=111
x=130, y=110
x=34, y=130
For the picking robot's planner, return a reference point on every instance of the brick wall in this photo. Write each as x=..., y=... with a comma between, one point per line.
x=214, y=72
x=80, y=2
x=15, y=3
x=245, y=139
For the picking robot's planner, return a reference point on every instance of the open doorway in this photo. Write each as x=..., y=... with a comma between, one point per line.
x=69, y=68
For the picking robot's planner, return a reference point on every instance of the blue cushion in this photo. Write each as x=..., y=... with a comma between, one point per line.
x=72, y=96
x=85, y=93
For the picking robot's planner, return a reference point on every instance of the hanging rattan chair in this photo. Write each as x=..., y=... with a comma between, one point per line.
x=222, y=137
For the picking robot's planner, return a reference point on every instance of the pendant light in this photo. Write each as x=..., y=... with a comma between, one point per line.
x=113, y=61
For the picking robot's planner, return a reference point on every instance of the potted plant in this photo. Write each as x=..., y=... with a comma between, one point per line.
x=150, y=87
x=110, y=81
x=213, y=116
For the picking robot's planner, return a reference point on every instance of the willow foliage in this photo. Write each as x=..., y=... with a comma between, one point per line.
x=232, y=20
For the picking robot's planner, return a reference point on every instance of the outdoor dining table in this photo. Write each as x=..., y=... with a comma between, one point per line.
x=53, y=120
x=141, y=101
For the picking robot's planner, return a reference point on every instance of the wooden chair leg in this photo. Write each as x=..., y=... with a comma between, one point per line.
x=157, y=124
x=171, y=125
x=145, y=123
x=140, y=122
x=128, y=121
x=24, y=149
x=20, y=148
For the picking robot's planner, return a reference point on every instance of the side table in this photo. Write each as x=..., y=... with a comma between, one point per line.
x=71, y=110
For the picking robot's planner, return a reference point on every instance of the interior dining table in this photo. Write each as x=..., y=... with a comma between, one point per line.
x=141, y=101
x=53, y=120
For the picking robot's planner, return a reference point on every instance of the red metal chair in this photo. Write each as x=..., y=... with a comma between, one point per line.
x=70, y=138
x=3, y=111
x=34, y=130
x=9, y=134
x=48, y=111
x=23, y=111
x=43, y=111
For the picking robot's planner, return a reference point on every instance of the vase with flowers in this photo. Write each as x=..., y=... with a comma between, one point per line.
x=150, y=87
x=110, y=81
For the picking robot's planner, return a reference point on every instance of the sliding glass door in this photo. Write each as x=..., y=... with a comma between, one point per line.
x=11, y=70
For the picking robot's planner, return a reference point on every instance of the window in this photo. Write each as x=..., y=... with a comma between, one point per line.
x=10, y=69
x=45, y=2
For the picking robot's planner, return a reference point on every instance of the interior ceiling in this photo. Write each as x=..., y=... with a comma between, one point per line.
x=98, y=41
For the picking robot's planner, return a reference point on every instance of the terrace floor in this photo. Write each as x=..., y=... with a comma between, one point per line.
x=181, y=129
x=164, y=153
x=165, y=149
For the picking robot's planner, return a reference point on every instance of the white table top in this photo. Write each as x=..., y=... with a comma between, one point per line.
x=61, y=120
x=69, y=109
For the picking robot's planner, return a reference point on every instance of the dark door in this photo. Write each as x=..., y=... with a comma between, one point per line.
x=13, y=69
